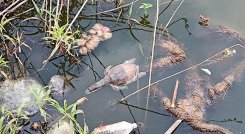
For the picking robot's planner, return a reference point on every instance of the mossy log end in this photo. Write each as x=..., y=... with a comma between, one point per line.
x=221, y=87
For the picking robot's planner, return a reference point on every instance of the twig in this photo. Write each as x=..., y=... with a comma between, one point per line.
x=68, y=9
x=173, y=127
x=174, y=13
x=182, y=71
x=175, y=94
x=78, y=13
x=152, y=56
x=167, y=2
x=177, y=122
x=126, y=5
x=21, y=3
x=10, y=6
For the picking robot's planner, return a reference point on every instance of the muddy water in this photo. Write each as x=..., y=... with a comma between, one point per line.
x=123, y=46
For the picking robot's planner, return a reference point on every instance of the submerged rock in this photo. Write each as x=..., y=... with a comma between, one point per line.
x=57, y=84
x=17, y=93
x=62, y=127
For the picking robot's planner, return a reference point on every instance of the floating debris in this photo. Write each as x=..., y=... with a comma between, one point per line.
x=224, y=85
x=166, y=61
x=90, y=40
x=224, y=30
x=192, y=108
x=122, y=127
x=172, y=48
x=225, y=54
x=177, y=55
x=204, y=21
x=38, y=126
x=207, y=71
x=221, y=32
x=118, y=77
x=221, y=87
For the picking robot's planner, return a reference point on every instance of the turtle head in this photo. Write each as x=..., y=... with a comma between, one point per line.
x=96, y=86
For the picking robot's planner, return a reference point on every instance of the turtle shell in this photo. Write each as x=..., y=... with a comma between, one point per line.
x=122, y=74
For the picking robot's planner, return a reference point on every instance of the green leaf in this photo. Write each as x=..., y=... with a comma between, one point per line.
x=37, y=8
x=146, y=5
x=1, y=123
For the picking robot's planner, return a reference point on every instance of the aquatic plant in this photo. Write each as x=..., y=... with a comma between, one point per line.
x=12, y=121
x=69, y=112
x=145, y=7
x=63, y=40
x=3, y=62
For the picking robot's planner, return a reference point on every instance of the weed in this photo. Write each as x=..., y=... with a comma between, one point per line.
x=68, y=111
x=145, y=7
x=58, y=34
x=3, y=62
x=3, y=22
x=12, y=121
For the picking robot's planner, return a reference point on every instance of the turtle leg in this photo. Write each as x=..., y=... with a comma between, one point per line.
x=141, y=74
x=132, y=61
x=107, y=69
x=117, y=88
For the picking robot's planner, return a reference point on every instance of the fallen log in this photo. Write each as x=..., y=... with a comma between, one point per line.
x=224, y=85
x=221, y=87
x=191, y=109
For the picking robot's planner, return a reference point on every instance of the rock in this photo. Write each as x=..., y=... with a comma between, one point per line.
x=16, y=93
x=57, y=84
x=62, y=127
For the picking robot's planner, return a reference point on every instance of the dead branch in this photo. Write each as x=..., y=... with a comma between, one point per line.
x=193, y=116
x=221, y=87
x=224, y=85
x=175, y=93
x=191, y=109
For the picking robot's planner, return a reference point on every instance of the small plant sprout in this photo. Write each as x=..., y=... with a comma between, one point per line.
x=3, y=62
x=145, y=7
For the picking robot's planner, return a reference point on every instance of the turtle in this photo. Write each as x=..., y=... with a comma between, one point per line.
x=118, y=77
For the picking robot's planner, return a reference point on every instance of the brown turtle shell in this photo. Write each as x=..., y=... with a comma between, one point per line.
x=122, y=74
